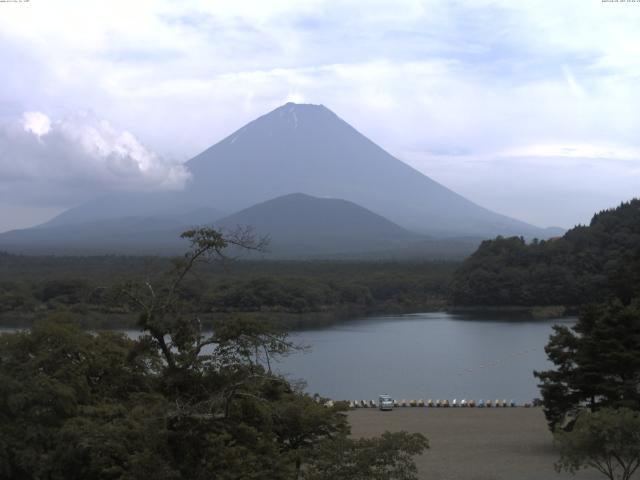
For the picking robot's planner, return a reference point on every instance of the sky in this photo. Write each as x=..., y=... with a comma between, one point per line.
x=529, y=108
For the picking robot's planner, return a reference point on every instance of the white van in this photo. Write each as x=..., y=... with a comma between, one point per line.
x=385, y=402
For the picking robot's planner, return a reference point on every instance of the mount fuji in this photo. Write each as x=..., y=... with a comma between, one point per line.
x=297, y=148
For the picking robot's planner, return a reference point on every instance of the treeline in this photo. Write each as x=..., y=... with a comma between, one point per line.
x=588, y=264
x=295, y=293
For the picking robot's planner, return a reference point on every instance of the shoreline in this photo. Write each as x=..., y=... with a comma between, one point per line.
x=534, y=312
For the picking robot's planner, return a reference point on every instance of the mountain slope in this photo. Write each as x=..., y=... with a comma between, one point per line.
x=299, y=224
x=178, y=205
x=133, y=234
x=309, y=149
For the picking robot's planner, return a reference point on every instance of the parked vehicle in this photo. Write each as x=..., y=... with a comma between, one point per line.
x=385, y=402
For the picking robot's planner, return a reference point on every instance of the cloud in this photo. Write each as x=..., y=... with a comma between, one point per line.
x=60, y=162
x=483, y=79
x=36, y=122
x=560, y=185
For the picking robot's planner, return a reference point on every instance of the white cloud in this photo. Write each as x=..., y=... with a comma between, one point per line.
x=587, y=150
x=66, y=160
x=36, y=122
x=447, y=82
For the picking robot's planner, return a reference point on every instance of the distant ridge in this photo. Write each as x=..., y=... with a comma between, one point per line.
x=127, y=235
x=298, y=226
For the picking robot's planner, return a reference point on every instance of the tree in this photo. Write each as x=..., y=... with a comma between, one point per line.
x=180, y=402
x=70, y=399
x=597, y=363
x=607, y=440
x=179, y=339
x=388, y=457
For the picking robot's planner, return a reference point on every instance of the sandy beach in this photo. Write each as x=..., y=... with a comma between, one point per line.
x=474, y=443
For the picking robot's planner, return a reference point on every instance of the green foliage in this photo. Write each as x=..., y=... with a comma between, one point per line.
x=607, y=440
x=56, y=381
x=298, y=294
x=176, y=403
x=597, y=363
x=389, y=457
x=80, y=406
x=587, y=264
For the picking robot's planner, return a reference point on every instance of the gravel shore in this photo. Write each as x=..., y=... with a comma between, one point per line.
x=474, y=443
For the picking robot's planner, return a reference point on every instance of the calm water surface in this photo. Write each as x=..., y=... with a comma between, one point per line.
x=427, y=355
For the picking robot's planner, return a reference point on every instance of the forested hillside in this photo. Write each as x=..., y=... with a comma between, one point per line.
x=294, y=293
x=588, y=264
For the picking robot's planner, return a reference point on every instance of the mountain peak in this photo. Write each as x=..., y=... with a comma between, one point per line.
x=294, y=114
x=290, y=106
x=288, y=121
x=308, y=148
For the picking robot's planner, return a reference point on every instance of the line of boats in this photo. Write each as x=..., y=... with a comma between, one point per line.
x=385, y=402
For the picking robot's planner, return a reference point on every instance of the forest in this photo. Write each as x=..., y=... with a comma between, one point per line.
x=295, y=293
x=590, y=263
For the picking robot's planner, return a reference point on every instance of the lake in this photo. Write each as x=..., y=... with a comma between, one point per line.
x=428, y=355
x=425, y=355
